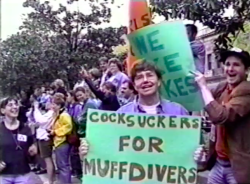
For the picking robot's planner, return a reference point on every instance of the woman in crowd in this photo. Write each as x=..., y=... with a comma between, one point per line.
x=117, y=77
x=62, y=127
x=60, y=87
x=103, y=66
x=44, y=122
x=83, y=98
x=16, y=146
x=75, y=108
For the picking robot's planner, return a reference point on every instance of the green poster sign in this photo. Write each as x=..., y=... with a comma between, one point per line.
x=167, y=46
x=140, y=148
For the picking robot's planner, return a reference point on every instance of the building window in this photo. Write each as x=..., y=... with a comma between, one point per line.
x=209, y=61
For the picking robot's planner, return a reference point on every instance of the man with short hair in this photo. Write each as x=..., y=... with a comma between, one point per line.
x=228, y=107
x=127, y=92
x=198, y=48
x=147, y=81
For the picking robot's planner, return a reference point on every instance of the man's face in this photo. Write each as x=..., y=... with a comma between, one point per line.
x=23, y=95
x=235, y=70
x=125, y=91
x=37, y=92
x=103, y=66
x=146, y=83
x=191, y=35
x=106, y=91
x=43, y=89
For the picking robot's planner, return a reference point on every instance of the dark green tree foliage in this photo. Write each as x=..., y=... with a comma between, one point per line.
x=210, y=13
x=55, y=44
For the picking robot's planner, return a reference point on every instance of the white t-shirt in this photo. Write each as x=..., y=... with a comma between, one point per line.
x=150, y=109
x=45, y=121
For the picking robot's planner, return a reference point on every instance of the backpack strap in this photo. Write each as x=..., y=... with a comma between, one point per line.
x=58, y=116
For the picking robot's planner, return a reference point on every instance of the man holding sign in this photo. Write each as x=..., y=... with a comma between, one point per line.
x=167, y=46
x=151, y=147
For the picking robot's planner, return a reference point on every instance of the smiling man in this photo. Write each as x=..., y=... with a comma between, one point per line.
x=127, y=92
x=147, y=81
x=228, y=107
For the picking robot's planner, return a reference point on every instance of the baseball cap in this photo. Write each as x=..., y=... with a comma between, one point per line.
x=243, y=55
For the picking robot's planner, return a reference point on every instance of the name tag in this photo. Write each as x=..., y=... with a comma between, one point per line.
x=22, y=138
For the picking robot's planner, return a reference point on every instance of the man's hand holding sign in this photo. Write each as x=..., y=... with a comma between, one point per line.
x=167, y=46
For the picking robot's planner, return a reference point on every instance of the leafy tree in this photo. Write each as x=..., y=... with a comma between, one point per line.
x=121, y=51
x=210, y=13
x=243, y=38
x=55, y=43
x=21, y=65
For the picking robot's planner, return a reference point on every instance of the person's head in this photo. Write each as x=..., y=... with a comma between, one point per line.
x=146, y=78
x=192, y=31
x=103, y=63
x=49, y=91
x=80, y=94
x=37, y=92
x=43, y=89
x=236, y=65
x=9, y=107
x=108, y=88
x=23, y=95
x=58, y=102
x=115, y=65
x=53, y=86
x=48, y=104
x=95, y=73
x=63, y=91
x=59, y=83
x=70, y=97
x=127, y=89
x=32, y=99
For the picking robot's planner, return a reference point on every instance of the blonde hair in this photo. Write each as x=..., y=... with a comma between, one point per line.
x=59, y=83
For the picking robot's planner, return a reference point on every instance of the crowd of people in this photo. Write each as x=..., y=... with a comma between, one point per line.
x=49, y=124
x=57, y=118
